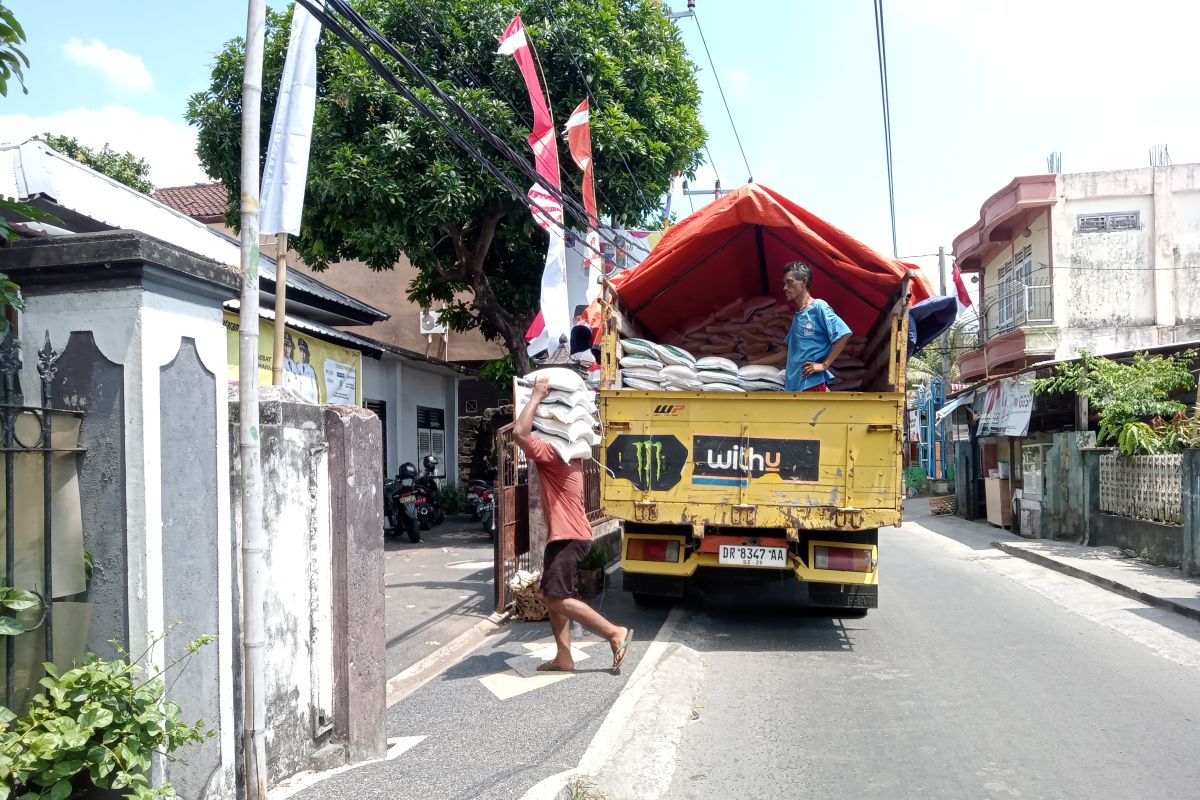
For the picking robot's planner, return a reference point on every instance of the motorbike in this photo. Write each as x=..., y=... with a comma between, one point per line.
x=428, y=484
x=487, y=511
x=473, y=498
x=400, y=502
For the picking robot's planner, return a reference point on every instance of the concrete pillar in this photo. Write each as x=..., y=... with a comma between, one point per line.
x=1090, y=505
x=1191, y=511
x=138, y=323
x=360, y=661
x=1163, y=237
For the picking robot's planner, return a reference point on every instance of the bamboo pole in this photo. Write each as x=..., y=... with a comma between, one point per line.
x=253, y=539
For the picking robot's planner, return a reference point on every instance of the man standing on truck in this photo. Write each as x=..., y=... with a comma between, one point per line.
x=817, y=336
x=569, y=540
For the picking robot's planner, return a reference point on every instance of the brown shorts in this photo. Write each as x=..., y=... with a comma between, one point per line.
x=560, y=569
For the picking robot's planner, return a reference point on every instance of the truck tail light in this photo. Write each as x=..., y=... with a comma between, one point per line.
x=844, y=559
x=652, y=550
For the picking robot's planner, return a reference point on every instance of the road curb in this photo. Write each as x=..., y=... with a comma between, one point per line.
x=403, y=684
x=1104, y=583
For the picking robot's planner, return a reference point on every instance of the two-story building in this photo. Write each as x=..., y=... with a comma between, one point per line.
x=1103, y=261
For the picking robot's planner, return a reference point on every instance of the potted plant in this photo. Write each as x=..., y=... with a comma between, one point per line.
x=591, y=573
x=93, y=731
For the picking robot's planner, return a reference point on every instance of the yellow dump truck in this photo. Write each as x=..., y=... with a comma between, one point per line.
x=761, y=485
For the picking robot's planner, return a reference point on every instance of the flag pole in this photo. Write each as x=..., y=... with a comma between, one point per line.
x=280, y=307
x=254, y=573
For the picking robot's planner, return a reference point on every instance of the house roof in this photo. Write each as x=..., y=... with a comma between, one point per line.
x=86, y=201
x=202, y=201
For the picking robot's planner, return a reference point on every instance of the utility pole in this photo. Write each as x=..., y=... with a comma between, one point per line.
x=254, y=545
x=945, y=336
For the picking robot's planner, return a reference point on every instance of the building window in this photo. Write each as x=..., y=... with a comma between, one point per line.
x=1120, y=221
x=1004, y=279
x=431, y=434
x=1022, y=275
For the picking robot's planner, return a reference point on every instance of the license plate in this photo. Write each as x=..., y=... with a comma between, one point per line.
x=744, y=555
x=406, y=498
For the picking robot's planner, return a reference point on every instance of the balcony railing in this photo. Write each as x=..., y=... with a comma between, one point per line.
x=1020, y=306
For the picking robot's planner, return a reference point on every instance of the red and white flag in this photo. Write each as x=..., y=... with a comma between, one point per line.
x=960, y=288
x=554, y=319
x=579, y=142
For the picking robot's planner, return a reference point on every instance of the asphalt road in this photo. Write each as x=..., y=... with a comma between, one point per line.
x=981, y=676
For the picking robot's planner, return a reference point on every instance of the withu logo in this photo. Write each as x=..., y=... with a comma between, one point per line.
x=745, y=460
x=668, y=410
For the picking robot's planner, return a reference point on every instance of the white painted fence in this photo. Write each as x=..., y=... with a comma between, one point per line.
x=1143, y=487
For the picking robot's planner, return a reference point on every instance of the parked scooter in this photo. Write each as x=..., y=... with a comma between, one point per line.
x=487, y=511
x=427, y=483
x=473, y=498
x=400, y=502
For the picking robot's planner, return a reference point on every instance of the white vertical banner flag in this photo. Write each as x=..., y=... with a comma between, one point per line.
x=286, y=170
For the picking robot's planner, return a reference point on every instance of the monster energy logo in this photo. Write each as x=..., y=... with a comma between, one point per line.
x=649, y=461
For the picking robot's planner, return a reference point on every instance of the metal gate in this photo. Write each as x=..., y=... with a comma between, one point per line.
x=512, y=514
x=32, y=436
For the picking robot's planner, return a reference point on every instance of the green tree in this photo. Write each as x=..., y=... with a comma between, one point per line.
x=1124, y=393
x=385, y=181
x=13, y=61
x=124, y=168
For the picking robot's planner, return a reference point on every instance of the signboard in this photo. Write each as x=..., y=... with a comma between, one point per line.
x=316, y=370
x=657, y=462
x=1007, y=406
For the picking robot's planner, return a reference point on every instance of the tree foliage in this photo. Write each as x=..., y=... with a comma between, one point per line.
x=385, y=181
x=124, y=168
x=13, y=61
x=1125, y=393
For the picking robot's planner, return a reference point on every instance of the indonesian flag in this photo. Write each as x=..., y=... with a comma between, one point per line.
x=960, y=288
x=554, y=319
x=579, y=141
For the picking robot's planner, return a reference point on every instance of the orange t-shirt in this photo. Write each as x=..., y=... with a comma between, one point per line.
x=562, y=493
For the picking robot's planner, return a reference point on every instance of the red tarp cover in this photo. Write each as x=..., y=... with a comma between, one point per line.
x=736, y=247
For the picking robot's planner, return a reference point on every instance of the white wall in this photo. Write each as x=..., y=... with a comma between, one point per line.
x=404, y=385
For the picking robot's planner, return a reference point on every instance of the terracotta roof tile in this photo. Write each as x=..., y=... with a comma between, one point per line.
x=203, y=201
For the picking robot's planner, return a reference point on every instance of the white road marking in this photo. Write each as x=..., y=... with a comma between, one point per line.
x=471, y=565
x=303, y=780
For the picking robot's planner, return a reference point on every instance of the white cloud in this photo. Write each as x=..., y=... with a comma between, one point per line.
x=123, y=70
x=169, y=146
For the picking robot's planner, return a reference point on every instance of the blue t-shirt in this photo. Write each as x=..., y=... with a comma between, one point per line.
x=814, y=331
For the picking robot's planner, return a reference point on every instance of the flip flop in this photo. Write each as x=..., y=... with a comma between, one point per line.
x=549, y=667
x=619, y=653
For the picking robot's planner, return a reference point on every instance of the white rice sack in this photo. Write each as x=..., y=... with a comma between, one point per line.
x=679, y=372
x=676, y=384
x=762, y=386
x=717, y=364
x=645, y=373
x=710, y=376
x=578, y=430
x=567, y=451
x=642, y=385
x=640, y=360
x=580, y=397
x=631, y=346
x=560, y=378
x=722, y=387
x=761, y=372
x=669, y=354
x=565, y=414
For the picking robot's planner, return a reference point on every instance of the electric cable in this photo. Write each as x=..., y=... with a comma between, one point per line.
x=881, y=52
x=728, y=113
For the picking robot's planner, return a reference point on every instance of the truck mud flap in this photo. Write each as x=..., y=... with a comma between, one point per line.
x=657, y=585
x=843, y=595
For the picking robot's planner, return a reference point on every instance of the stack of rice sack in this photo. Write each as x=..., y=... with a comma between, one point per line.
x=849, y=370
x=566, y=419
x=750, y=331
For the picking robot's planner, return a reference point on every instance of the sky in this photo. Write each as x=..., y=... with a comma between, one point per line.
x=980, y=91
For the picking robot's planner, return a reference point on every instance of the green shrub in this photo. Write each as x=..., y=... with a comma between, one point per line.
x=596, y=558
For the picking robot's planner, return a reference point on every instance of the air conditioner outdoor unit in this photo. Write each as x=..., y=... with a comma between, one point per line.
x=431, y=322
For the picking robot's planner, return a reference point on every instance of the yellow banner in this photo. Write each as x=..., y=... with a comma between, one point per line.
x=316, y=370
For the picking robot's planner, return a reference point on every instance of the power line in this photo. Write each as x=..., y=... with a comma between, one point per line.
x=881, y=51
x=363, y=49
x=728, y=113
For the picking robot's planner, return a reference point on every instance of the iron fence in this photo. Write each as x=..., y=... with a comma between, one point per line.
x=27, y=434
